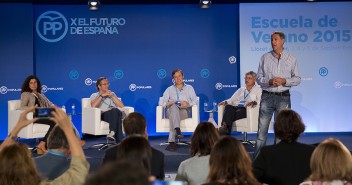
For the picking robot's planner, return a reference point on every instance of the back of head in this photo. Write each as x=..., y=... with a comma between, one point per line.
x=229, y=162
x=331, y=160
x=288, y=126
x=134, y=123
x=135, y=149
x=121, y=173
x=203, y=139
x=57, y=139
x=17, y=166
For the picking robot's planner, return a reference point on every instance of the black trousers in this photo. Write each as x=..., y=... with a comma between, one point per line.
x=114, y=118
x=233, y=113
x=47, y=122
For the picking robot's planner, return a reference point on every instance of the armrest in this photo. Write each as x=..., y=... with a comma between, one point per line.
x=127, y=109
x=221, y=109
x=91, y=118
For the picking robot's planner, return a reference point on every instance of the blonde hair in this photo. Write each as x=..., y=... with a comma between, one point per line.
x=330, y=161
x=17, y=166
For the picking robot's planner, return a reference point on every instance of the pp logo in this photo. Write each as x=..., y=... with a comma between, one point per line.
x=338, y=84
x=73, y=74
x=3, y=90
x=232, y=59
x=218, y=86
x=118, y=74
x=133, y=87
x=161, y=73
x=51, y=26
x=88, y=81
x=205, y=73
x=323, y=71
x=44, y=88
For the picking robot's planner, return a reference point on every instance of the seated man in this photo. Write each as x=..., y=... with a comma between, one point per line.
x=55, y=162
x=235, y=108
x=178, y=100
x=133, y=124
x=108, y=102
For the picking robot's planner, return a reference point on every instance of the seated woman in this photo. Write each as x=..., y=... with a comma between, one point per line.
x=230, y=164
x=195, y=169
x=331, y=164
x=17, y=165
x=286, y=163
x=31, y=95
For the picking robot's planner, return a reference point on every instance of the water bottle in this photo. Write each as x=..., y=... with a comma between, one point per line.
x=206, y=106
x=73, y=109
x=63, y=108
x=215, y=106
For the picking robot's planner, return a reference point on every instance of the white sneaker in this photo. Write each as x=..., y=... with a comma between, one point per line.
x=111, y=135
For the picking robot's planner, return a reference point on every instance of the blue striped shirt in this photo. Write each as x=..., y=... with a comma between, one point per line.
x=285, y=67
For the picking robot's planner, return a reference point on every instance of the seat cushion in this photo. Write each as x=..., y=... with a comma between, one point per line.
x=40, y=128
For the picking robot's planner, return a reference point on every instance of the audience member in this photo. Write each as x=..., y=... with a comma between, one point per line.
x=55, y=162
x=17, y=166
x=331, y=164
x=31, y=94
x=230, y=164
x=195, y=169
x=108, y=102
x=286, y=163
x=177, y=99
x=136, y=149
x=133, y=124
x=235, y=107
x=121, y=173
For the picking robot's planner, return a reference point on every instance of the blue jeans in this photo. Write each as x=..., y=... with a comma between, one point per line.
x=269, y=104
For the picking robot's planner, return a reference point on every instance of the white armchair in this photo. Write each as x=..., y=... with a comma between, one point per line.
x=186, y=125
x=249, y=124
x=33, y=130
x=92, y=123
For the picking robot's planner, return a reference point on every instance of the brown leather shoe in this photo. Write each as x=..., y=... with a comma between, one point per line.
x=171, y=147
x=179, y=133
x=224, y=130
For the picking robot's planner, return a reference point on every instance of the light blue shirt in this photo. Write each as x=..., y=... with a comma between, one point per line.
x=285, y=67
x=106, y=104
x=242, y=94
x=186, y=93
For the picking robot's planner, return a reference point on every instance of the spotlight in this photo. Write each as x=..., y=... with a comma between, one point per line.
x=205, y=3
x=93, y=4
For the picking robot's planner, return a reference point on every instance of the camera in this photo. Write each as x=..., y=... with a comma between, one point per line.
x=43, y=113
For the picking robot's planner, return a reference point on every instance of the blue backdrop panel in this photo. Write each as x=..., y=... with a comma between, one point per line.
x=16, y=54
x=136, y=47
x=320, y=36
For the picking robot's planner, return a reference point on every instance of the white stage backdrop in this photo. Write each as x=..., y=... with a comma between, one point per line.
x=319, y=35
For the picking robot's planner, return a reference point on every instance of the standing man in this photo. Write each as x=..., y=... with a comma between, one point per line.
x=236, y=106
x=108, y=102
x=178, y=100
x=277, y=73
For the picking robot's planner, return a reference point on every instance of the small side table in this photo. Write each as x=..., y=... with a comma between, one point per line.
x=211, y=117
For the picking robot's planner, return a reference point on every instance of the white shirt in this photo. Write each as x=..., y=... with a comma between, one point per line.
x=242, y=94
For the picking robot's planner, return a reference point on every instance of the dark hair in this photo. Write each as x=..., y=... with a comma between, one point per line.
x=121, y=173
x=25, y=85
x=203, y=139
x=230, y=163
x=134, y=123
x=280, y=33
x=135, y=149
x=17, y=166
x=175, y=71
x=288, y=126
x=99, y=81
x=57, y=139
